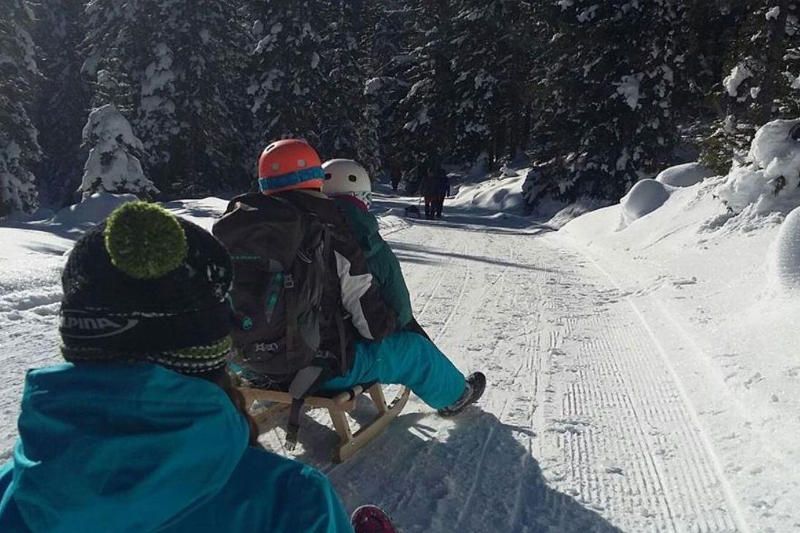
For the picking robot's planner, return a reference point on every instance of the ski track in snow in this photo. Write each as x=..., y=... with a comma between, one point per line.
x=584, y=425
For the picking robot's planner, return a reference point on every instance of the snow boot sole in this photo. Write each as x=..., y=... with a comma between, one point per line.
x=477, y=384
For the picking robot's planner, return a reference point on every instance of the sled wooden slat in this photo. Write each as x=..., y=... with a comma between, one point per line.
x=347, y=448
x=337, y=406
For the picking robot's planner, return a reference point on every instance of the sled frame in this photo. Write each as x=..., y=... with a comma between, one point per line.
x=338, y=406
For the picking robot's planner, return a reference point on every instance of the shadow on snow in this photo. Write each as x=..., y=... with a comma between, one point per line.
x=480, y=477
x=415, y=253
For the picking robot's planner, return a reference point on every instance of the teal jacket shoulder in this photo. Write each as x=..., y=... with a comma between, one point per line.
x=382, y=262
x=140, y=448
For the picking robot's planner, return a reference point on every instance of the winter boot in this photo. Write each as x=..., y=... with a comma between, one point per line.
x=371, y=519
x=476, y=384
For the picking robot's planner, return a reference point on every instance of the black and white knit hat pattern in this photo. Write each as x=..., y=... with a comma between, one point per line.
x=147, y=286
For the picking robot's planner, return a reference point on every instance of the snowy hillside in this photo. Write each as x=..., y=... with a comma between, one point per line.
x=642, y=362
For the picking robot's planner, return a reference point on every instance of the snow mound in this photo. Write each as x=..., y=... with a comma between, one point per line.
x=203, y=212
x=684, y=175
x=644, y=198
x=564, y=214
x=391, y=222
x=770, y=177
x=92, y=210
x=508, y=171
x=498, y=194
x=786, y=253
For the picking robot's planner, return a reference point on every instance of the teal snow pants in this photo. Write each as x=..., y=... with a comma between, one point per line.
x=404, y=358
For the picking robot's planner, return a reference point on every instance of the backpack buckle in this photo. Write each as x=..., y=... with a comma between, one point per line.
x=288, y=282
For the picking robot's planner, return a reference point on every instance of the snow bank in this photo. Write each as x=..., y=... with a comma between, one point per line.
x=564, y=214
x=684, y=175
x=498, y=194
x=91, y=210
x=770, y=176
x=644, y=198
x=203, y=212
x=786, y=253
x=723, y=306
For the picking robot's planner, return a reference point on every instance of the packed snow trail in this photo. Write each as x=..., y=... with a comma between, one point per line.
x=585, y=424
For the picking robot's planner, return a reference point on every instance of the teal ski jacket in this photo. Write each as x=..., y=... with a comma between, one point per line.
x=137, y=447
x=381, y=261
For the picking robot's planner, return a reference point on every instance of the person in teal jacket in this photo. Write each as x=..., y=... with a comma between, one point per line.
x=141, y=430
x=353, y=198
x=348, y=183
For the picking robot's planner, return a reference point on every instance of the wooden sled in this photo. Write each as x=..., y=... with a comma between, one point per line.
x=337, y=406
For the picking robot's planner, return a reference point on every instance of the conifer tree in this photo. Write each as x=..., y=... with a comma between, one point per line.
x=609, y=108
x=426, y=109
x=491, y=66
x=343, y=93
x=177, y=66
x=19, y=149
x=62, y=102
x=287, y=80
x=113, y=164
x=386, y=40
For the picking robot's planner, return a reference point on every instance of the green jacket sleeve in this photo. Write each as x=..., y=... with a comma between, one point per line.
x=393, y=287
x=381, y=261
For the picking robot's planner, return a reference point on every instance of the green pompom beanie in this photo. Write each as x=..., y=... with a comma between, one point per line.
x=145, y=240
x=147, y=285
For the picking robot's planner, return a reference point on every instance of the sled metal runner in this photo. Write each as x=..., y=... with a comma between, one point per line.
x=338, y=406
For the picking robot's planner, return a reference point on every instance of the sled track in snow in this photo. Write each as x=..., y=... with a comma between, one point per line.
x=576, y=383
x=626, y=373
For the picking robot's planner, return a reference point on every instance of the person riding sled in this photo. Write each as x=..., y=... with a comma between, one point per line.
x=329, y=329
x=142, y=429
x=350, y=186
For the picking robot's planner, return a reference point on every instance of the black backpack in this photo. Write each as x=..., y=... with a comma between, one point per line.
x=282, y=262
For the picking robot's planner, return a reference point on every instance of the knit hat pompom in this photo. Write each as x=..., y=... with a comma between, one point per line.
x=145, y=241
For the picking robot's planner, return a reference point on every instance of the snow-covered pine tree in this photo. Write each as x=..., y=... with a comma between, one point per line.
x=61, y=103
x=19, y=149
x=182, y=63
x=761, y=76
x=608, y=95
x=287, y=81
x=112, y=49
x=343, y=95
x=385, y=39
x=369, y=151
x=491, y=69
x=113, y=164
x=426, y=109
x=361, y=19
x=759, y=67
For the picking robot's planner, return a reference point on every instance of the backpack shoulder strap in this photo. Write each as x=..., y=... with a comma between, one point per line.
x=330, y=261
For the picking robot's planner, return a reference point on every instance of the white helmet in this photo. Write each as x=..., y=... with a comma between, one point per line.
x=345, y=176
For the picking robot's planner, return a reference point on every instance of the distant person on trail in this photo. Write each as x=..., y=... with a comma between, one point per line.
x=443, y=191
x=395, y=174
x=357, y=341
x=142, y=429
x=430, y=187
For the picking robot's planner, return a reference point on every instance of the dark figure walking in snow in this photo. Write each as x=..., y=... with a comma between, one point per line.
x=430, y=187
x=395, y=173
x=443, y=191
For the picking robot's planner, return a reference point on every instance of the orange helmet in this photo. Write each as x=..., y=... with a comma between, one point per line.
x=289, y=164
